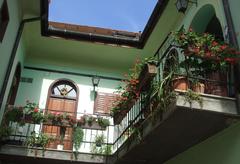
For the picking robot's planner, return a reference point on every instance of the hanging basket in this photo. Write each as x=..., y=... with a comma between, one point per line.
x=147, y=74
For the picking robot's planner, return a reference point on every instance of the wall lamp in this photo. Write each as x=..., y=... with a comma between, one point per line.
x=182, y=5
x=95, y=82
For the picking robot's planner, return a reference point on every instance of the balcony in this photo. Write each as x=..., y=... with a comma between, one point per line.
x=169, y=115
x=27, y=140
x=183, y=115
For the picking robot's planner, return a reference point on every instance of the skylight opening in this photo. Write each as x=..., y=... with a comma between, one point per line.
x=126, y=23
x=122, y=15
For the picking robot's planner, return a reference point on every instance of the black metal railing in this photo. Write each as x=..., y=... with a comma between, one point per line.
x=116, y=135
x=221, y=86
x=21, y=132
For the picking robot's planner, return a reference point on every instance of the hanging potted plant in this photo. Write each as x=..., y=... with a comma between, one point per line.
x=99, y=140
x=62, y=130
x=148, y=72
x=77, y=138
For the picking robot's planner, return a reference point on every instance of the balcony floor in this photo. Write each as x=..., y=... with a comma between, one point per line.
x=180, y=128
x=22, y=155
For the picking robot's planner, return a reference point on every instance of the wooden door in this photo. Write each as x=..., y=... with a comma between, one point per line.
x=61, y=103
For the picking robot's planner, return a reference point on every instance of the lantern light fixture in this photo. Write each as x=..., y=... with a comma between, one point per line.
x=95, y=82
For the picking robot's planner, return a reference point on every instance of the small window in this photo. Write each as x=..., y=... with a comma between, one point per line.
x=103, y=103
x=4, y=18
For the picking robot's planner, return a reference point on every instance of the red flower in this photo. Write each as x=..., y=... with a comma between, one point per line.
x=223, y=47
x=208, y=54
x=196, y=50
x=231, y=60
x=35, y=110
x=214, y=43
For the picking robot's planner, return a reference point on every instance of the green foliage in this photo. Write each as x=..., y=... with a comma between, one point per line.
x=14, y=114
x=107, y=150
x=62, y=133
x=60, y=119
x=99, y=139
x=29, y=113
x=161, y=95
x=87, y=119
x=99, y=147
x=103, y=122
x=5, y=132
x=193, y=96
x=38, y=140
x=129, y=90
x=77, y=137
x=103, y=149
x=206, y=46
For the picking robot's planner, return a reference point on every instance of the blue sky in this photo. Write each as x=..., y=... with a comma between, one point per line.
x=129, y=15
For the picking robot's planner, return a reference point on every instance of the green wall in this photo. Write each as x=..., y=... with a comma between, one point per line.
x=234, y=7
x=32, y=91
x=7, y=45
x=223, y=148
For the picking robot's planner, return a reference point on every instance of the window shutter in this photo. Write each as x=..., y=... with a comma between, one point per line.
x=104, y=102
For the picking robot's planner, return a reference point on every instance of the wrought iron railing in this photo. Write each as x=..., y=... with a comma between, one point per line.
x=117, y=135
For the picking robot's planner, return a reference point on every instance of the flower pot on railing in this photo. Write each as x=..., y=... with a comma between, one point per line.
x=198, y=87
x=94, y=126
x=146, y=76
x=180, y=83
x=62, y=132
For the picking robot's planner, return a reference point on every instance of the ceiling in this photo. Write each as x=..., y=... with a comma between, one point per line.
x=87, y=55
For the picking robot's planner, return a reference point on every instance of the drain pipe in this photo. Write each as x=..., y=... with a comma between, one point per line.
x=233, y=41
x=13, y=55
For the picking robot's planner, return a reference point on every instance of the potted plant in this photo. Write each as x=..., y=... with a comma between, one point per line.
x=30, y=113
x=215, y=56
x=148, y=72
x=60, y=146
x=90, y=120
x=59, y=119
x=39, y=141
x=139, y=77
x=77, y=138
x=14, y=114
x=103, y=122
x=191, y=96
x=99, y=140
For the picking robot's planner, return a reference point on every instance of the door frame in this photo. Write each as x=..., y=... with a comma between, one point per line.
x=68, y=82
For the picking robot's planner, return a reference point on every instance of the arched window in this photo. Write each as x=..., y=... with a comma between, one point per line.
x=62, y=98
x=64, y=89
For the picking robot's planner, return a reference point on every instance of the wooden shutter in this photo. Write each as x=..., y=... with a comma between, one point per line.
x=103, y=102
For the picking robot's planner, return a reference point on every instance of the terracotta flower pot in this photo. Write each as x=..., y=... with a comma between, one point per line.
x=199, y=87
x=180, y=83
